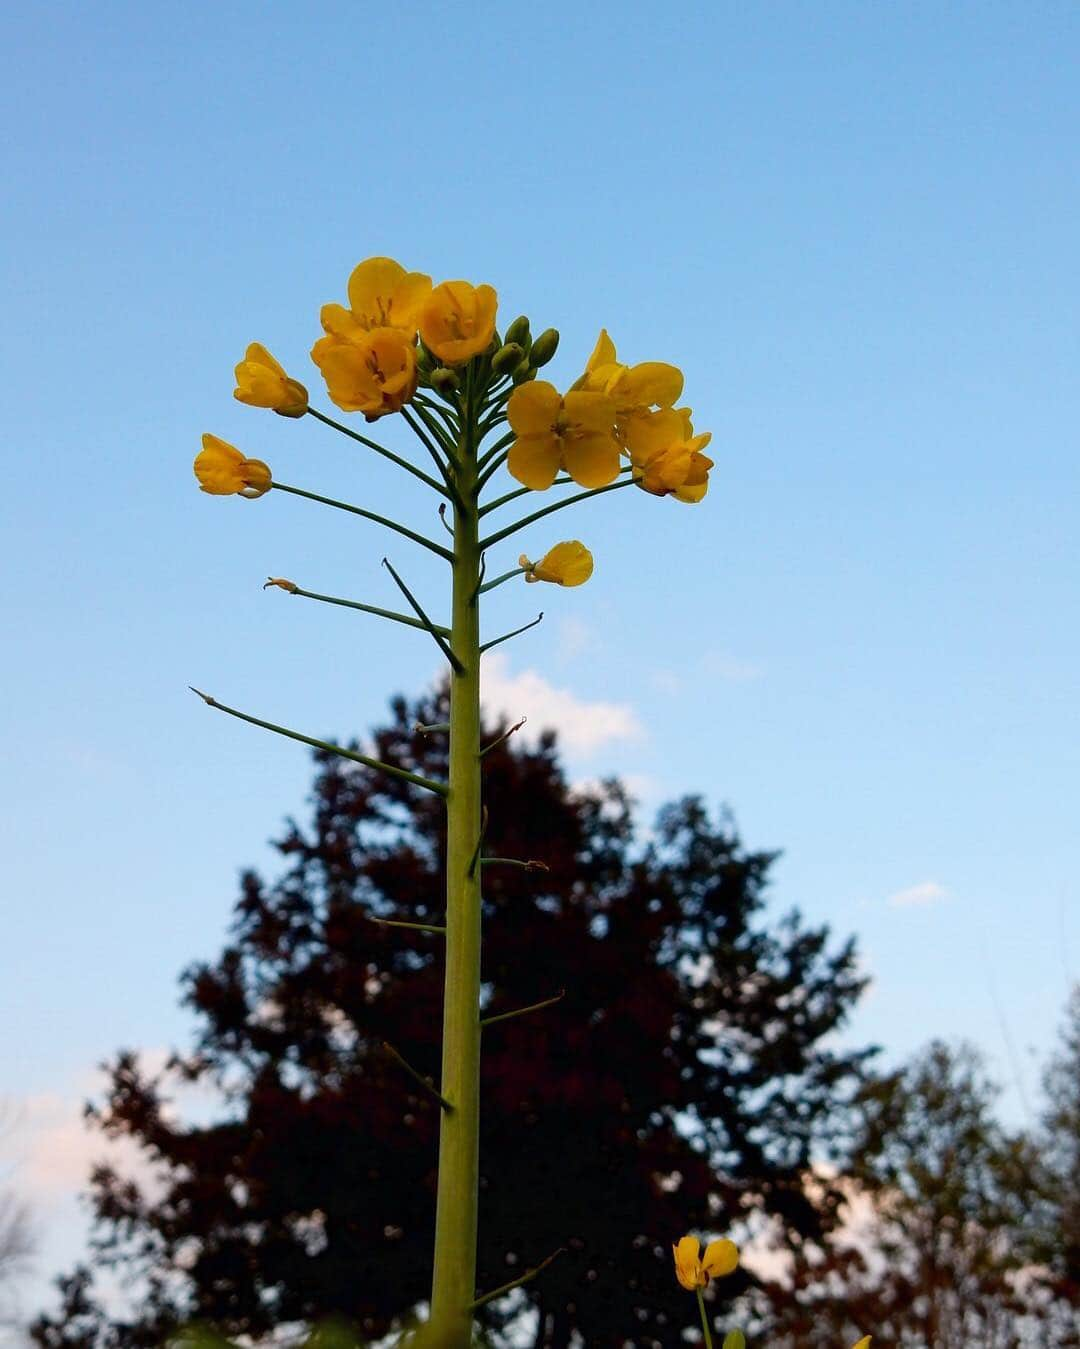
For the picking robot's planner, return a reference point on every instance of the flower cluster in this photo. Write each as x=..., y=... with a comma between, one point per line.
x=369, y=354
x=611, y=411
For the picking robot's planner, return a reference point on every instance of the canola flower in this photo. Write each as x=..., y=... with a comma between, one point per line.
x=430, y=356
x=567, y=564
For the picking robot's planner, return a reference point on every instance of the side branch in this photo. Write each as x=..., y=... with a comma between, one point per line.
x=507, y=635
x=290, y=588
x=520, y=1011
x=425, y=622
x=368, y=515
x=505, y=736
x=439, y=788
x=380, y=449
x=547, y=510
x=420, y=1080
x=530, y=865
x=394, y=922
x=515, y=1283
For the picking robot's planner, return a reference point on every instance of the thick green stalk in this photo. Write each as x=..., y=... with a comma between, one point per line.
x=454, y=1277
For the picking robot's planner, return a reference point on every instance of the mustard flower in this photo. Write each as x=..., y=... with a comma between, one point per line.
x=373, y=372
x=864, y=1343
x=222, y=470
x=634, y=389
x=457, y=320
x=572, y=432
x=720, y=1258
x=382, y=294
x=261, y=382
x=666, y=455
x=567, y=564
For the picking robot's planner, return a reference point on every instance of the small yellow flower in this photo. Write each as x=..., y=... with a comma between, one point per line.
x=457, y=320
x=382, y=294
x=720, y=1258
x=635, y=389
x=666, y=454
x=222, y=470
x=262, y=383
x=567, y=564
x=864, y=1343
x=373, y=372
x=572, y=432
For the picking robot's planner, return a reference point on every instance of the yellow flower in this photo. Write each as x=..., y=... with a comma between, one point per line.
x=720, y=1258
x=635, y=389
x=553, y=432
x=370, y=372
x=567, y=564
x=262, y=383
x=864, y=1343
x=457, y=320
x=382, y=294
x=222, y=470
x=666, y=454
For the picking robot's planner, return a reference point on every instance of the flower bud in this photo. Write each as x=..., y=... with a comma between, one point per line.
x=519, y=332
x=425, y=361
x=507, y=358
x=282, y=584
x=544, y=347
x=445, y=381
x=523, y=373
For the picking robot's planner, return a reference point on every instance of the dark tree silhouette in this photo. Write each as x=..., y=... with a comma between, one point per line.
x=685, y=1077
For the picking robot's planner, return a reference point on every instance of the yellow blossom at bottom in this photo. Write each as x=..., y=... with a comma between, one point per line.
x=223, y=471
x=567, y=564
x=720, y=1258
x=864, y=1343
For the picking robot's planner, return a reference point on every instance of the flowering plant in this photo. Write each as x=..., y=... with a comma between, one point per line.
x=432, y=356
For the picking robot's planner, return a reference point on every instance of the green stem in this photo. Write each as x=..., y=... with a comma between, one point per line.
x=434, y=628
x=380, y=449
x=454, y=1274
x=369, y=609
x=519, y=492
x=506, y=576
x=520, y=1011
x=516, y=1283
x=507, y=635
x=704, y=1320
x=440, y=788
x=547, y=510
x=368, y=515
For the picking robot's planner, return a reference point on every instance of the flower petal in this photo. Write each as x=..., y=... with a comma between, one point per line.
x=592, y=460
x=720, y=1258
x=534, y=460
x=533, y=408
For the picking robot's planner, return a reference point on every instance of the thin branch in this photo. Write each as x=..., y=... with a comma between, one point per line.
x=530, y=865
x=505, y=736
x=369, y=515
x=421, y=729
x=435, y=630
x=518, y=492
x=475, y=858
x=490, y=453
x=394, y=922
x=352, y=604
x=515, y=1283
x=506, y=576
x=380, y=449
x=507, y=635
x=442, y=516
x=417, y=1077
x=547, y=510
x=439, y=788
x=520, y=1011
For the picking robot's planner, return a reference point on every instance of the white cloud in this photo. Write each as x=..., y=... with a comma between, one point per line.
x=582, y=726
x=915, y=896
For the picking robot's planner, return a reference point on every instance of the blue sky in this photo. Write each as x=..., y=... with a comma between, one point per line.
x=853, y=226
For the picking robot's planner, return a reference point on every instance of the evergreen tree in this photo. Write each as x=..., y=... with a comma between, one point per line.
x=686, y=1075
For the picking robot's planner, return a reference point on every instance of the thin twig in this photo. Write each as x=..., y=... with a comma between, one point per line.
x=369, y=515
x=507, y=635
x=547, y=510
x=435, y=630
x=520, y=1011
x=394, y=922
x=439, y=788
x=505, y=736
x=417, y=1077
x=515, y=1283
x=355, y=604
x=380, y=449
